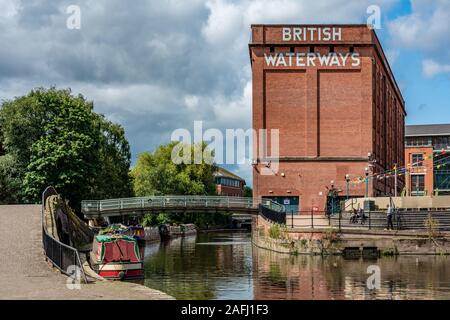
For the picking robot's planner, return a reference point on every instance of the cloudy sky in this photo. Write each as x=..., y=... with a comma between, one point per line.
x=158, y=65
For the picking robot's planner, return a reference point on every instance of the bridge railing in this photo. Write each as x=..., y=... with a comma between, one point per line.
x=97, y=207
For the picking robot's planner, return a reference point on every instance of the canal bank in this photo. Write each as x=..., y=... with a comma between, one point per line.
x=332, y=241
x=24, y=274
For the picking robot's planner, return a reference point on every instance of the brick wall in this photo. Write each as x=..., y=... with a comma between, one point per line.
x=329, y=118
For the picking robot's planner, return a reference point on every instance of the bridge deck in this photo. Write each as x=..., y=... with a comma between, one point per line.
x=204, y=204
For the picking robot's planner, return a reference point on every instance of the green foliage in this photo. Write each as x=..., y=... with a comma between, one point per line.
x=10, y=180
x=387, y=252
x=150, y=220
x=248, y=192
x=156, y=174
x=432, y=226
x=275, y=231
x=57, y=139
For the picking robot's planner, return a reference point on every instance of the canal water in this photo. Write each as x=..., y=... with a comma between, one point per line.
x=224, y=265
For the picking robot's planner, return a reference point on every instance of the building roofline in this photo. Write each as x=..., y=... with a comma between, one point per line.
x=308, y=24
x=228, y=174
x=427, y=130
x=375, y=43
x=391, y=73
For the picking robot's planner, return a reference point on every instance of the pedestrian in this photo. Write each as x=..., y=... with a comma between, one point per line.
x=362, y=216
x=390, y=213
x=354, y=216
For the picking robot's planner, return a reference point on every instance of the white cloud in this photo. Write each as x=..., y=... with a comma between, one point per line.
x=431, y=68
x=191, y=102
x=426, y=28
x=154, y=66
x=9, y=8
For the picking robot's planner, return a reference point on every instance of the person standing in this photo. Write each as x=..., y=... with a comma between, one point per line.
x=390, y=213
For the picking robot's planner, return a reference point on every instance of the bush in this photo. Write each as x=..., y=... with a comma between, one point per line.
x=275, y=231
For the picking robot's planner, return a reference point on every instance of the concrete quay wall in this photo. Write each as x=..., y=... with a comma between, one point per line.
x=328, y=241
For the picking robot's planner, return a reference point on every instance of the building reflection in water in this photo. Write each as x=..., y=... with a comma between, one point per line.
x=227, y=266
x=278, y=276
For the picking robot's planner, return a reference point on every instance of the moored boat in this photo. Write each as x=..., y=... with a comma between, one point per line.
x=172, y=231
x=117, y=256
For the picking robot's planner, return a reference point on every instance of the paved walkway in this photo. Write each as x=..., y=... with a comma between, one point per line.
x=24, y=273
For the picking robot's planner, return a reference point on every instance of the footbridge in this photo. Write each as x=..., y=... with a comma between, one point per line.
x=185, y=204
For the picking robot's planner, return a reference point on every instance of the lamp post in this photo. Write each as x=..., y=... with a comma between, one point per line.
x=396, y=181
x=347, y=179
x=332, y=196
x=367, y=181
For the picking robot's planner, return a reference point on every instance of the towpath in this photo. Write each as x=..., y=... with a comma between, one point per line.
x=24, y=273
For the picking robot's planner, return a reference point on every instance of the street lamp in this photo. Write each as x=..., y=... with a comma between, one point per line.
x=367, y=181
x=332, y=196
x=347, y=179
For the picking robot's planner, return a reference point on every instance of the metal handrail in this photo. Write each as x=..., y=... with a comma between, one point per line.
x=89, y=207
x=45, y=235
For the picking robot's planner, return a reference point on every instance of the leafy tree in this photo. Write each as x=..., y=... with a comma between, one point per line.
x=57, y=139
x=156, y=174
x=113, y=178
x=10, y=180
x=248, y=192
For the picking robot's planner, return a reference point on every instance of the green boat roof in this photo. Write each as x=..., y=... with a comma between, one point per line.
x=110, y=238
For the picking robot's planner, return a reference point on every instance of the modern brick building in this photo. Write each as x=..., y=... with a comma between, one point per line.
x=228, y=184
x=427, y=156
x=332, y=95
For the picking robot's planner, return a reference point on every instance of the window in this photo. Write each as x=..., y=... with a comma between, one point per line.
x=417, y=159
x=441, y=143
x=418, y=141
x=417, y=185
x=442, y=180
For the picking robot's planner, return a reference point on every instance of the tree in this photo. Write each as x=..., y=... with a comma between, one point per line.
x=248, y=192
x=156, y=174
x=57, y=139
x=10, y=180
x=113, y=178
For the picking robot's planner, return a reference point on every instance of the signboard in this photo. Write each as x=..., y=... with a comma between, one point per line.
x=312, y=59
x=312, y=34
x=286, y=202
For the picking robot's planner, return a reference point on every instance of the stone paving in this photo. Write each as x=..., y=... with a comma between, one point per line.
x=24, y=273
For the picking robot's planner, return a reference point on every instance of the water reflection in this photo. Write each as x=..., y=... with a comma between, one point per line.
x=225, y=266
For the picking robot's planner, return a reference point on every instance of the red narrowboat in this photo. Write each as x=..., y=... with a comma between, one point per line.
x=117, y=257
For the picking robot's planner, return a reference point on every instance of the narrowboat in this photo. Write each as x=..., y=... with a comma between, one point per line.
x=117, y=256
x=173, y=231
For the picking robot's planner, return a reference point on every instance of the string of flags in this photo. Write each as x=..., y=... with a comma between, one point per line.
x=416, y=166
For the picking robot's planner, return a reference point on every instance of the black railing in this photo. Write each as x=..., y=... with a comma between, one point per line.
x=420, y=220
x=61, y=255
x=273, y=216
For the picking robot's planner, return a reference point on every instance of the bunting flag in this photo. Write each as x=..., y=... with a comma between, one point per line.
x=417, y=166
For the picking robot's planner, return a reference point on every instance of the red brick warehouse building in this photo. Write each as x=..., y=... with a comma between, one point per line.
x=332, y=95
